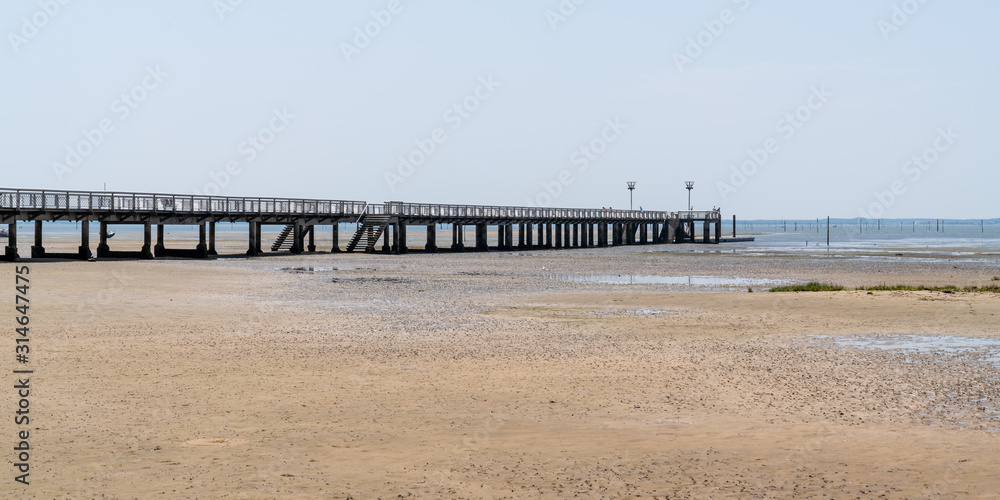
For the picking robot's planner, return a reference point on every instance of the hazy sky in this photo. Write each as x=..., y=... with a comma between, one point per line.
x=883, y=108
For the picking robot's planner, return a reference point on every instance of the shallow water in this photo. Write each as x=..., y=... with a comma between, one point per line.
x=942, y=344
x=649, y=279
x=987, y=349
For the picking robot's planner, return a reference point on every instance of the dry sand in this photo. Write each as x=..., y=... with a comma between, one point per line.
x=480, y=375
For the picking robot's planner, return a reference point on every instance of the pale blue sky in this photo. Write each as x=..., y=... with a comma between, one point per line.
x=343, y=116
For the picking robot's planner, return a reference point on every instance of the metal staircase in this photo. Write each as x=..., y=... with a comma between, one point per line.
x=283, y=241
x=372, y=226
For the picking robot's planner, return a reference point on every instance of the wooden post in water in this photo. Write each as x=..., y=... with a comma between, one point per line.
x=827, y=230
x=734, y=225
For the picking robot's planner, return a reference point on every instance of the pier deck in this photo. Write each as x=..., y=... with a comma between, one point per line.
x=535, y=227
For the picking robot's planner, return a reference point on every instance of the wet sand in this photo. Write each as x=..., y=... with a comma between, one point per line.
x=489, y=375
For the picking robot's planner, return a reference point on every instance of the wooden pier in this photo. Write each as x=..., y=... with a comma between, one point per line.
x=385, y=223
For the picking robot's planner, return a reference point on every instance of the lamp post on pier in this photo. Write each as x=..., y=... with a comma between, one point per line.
x=690, y=186
x=631, y=187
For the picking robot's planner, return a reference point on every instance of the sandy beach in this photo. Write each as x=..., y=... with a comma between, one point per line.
x=509, y=375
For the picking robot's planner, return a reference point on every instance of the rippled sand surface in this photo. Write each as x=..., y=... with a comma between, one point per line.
x=493, y=375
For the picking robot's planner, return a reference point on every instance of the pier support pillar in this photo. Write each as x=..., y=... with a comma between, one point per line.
x=296, y=237
x=160, y=249
x=481, y=242
x=84, y=250
x=211, y=238
x=643, y=234
x=259, y=229
x=520, y=235
x=202, y=250
x=386, y=242
x=602, y=235
x=401, y=238
x=548, y=236
x=704, y=231
x=312, y=239
x=590, y=235
x=457, y=237
x=528, y=236
x=147, y=240
x=10, y=252
x=103, y=250
x=38, y=250
x=718, y=231
x=509, y=238
x=252, y=238
x=335, y=248
x=567, y=237
x=576, y=236
x=431, y=245
x=559, y=236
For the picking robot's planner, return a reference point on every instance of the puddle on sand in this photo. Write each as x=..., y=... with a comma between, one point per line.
x=650, y=279
x=942, y=344
x=649, y=311
x=307, y=270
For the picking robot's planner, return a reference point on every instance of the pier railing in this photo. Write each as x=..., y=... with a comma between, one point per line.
x=697, y=214
x=403, y=209
x=16, y=200
x=155, y=203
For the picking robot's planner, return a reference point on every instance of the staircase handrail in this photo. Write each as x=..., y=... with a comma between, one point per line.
x=363, y=212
